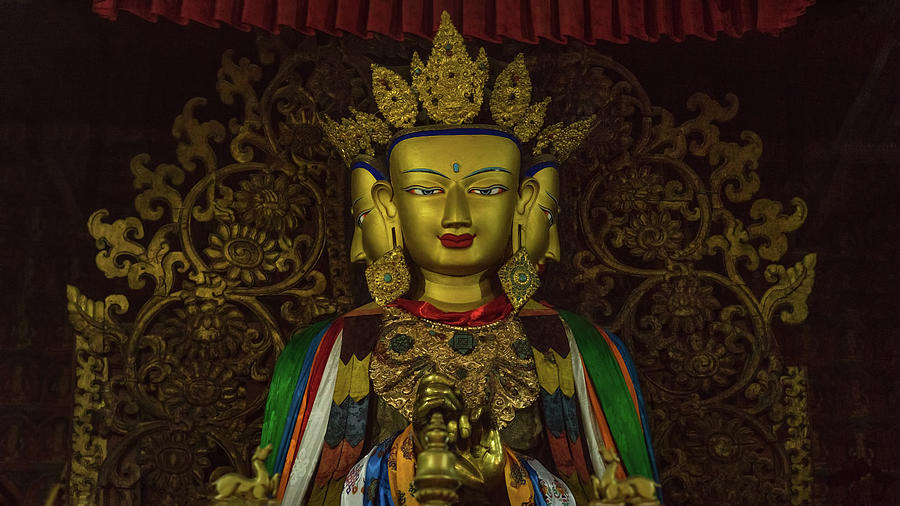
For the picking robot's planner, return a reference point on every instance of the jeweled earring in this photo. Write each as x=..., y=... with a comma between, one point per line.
x=388, y=277
x=519, y=278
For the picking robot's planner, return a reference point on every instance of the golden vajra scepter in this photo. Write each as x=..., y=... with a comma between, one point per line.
x=436, y=480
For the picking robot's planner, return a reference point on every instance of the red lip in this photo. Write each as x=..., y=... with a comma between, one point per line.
x=457, y=241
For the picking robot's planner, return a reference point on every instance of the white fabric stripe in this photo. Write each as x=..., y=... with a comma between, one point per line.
x=307, y=459
x=588, y=424
x=355, y=485
x=554, y=490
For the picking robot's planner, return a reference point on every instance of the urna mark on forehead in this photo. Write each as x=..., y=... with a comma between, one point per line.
x=455, y=153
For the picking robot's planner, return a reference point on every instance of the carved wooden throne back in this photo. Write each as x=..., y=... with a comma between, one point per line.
x=243, y=238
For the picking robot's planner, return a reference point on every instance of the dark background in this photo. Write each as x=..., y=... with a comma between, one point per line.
x=79, y=96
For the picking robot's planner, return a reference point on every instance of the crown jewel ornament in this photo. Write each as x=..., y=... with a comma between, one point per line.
x=449, y=87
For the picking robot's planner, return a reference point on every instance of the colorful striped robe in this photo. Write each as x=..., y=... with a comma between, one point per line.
x=321, y=407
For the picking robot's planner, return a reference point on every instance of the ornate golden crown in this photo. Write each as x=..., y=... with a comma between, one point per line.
x=450, y=88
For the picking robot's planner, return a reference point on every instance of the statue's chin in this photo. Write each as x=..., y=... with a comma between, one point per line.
x=459, y=271
x=454, y=263
x=466, y=275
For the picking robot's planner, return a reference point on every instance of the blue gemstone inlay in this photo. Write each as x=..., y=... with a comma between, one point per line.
x=455, y=167
x=387, y=278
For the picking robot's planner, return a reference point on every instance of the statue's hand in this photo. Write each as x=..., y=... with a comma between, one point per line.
x=434, y=394
x=480, y=457
x=479, y=450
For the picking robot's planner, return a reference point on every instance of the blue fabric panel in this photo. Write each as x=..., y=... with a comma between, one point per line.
x=554, y=417
x=535, y=484
x=376, y=473
x=570, y=414
x=357, y=414
x=347, y=421
x=337, y=424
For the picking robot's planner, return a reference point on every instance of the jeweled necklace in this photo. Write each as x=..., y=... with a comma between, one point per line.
x=493, y=364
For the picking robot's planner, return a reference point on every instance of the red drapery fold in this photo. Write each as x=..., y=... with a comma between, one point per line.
x=490, y=20
x=493, y=311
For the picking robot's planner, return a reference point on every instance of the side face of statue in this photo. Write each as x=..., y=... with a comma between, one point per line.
x=369, y=240
x=541, y=234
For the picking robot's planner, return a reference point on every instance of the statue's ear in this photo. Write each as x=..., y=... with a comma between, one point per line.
x=383, y=197
x=529, y=191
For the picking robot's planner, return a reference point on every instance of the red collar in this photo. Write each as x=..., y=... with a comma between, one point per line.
x=491, y=312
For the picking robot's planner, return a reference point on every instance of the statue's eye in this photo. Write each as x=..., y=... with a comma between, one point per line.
x=497, y=189
x=421, y=190
x=549, y=214
x=362, y=217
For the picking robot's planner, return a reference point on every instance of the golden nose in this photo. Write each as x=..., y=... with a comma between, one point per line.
x=456, y=209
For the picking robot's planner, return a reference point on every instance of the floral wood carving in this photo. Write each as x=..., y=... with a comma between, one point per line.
x=667, y=258
x=228, y=256
x=243, y=239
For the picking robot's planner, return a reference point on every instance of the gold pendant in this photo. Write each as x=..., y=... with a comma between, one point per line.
x=388, y=277
x=519, y=278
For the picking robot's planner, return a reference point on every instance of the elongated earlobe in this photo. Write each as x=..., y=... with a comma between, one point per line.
x=383, y=197
x=529, y=191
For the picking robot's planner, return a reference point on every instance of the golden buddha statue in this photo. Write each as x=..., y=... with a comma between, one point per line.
x=453, y=385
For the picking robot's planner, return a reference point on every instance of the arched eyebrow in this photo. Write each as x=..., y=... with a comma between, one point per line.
x=488, y=169
x=553, y=198
x=427, y=171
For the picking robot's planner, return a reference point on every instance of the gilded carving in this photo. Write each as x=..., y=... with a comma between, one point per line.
x=667, y=260
x=798, y=443
x=229, y=255
x=94, y=325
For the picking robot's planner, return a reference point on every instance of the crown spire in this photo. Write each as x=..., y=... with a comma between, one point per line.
x=450, y=85
x=450, y=89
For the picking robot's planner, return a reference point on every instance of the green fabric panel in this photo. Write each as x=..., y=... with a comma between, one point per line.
x=281, y=388
x=612, y=392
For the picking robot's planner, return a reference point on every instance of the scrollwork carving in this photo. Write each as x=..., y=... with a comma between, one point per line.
x=678, y=255
x=228, y=246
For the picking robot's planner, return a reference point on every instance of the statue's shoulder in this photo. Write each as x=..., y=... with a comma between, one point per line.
x=533, y=308
x=369, y=309
x=585, y=332
x=359, y=325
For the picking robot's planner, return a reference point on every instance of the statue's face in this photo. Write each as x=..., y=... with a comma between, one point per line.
x=369, y=239
x=541, y=236
x=455, y=196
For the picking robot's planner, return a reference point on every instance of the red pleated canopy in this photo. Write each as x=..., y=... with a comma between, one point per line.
x=490, y=20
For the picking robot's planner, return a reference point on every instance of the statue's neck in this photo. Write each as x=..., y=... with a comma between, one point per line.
x=457, y=293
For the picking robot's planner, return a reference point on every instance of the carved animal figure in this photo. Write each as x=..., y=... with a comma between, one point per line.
x=261, y=486
x=634, y=490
